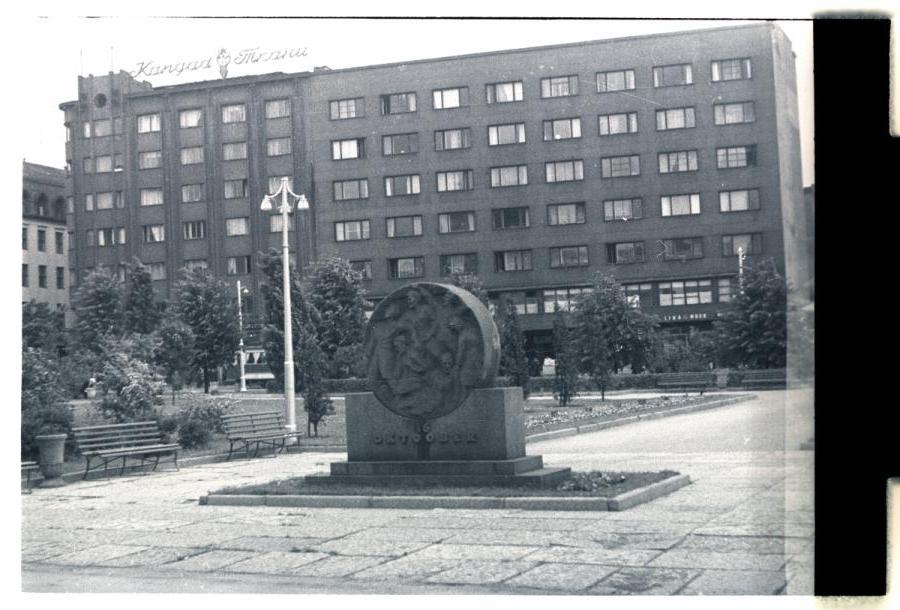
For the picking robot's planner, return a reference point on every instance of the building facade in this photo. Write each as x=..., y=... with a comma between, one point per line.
x=45, y=263
x=653, y=158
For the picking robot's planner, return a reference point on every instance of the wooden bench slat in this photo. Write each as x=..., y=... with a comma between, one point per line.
x=103, y=427
x=112, y=441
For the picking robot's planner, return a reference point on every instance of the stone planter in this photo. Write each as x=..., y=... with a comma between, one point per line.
x=90, y=392
x=52, y=449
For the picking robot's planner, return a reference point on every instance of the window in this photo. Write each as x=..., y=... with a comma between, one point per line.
x=150, y=159
x=456, y=222
x=564, y=171
x=675, y=118
x=398, y=103
x=510, y=218
x=562, y=129
x=236, y=189
x=70, y=204
x=461, y=180
x=672, y=76
x=192, y=155
x=639, y=295
x=681, y=161
x=118, y=162
x=730, y=69
x=147, y=123
x=190, y=118
x=277, y=109
x=617, y=80
x=238, y=265
x=736, y=156
x=191, y=193
x=738, y=201
x=196, y=264
x=502, y=93
x=347, y=109
x=86, y=130
x=103, y=164
x=622, y=209
x=625, y=252
x=237, y=226
x=117, y=125
x=511, y=175
x=348, y=149
x=400, y=144
x=24, y=275
x=89, y=238
x=363, y=268
x=153, y=196
x=565, y=214
x=234, y=150
x=351, y=230
x=680, y=205
x=452, y=139
x=617, y=167
x=278, y=146
x=276, y=223
x=234, y=113
x=89, y=202
x=88, y=165
x=561, y=299
x=733, y=114
x=60, y=278
x=459, y=263
x=24, y=238
x=725, y=292
x=68, y=132
x=102, y=127
x=395, y=186
x=749, y=243
x=568, y=256
x=154, y=233
x=614, y=124
x=404, y=226
x=42, y=240
x=450, y=98
x=194, y=229
x=405, y=268
x=559, y=86
x=111, y=236
x=105, y=201
x=682, y=248
x=346, y=190
x=275, y=183
x=501, y=135
x=157, y=271
x=688, y=292
x=512, y=260
x=60, y=242
x=42, y=276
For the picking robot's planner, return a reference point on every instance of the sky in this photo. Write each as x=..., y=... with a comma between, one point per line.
x=94, y=46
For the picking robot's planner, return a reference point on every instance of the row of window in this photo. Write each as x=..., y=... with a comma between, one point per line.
x=568, y=128
x=42, y=240
x=42, y=277
x=190, y=230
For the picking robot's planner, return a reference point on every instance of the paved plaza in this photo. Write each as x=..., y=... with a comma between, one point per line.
x=744, y=526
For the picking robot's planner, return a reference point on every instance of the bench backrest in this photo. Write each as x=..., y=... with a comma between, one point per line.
x=773, y=374
x=685, y=377
x=117, y=436
x=246, y=424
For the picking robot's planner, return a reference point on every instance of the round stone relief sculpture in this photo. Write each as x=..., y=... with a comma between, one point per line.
x=427, y=346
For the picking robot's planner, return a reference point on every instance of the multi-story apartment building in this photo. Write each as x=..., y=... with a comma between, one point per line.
x=653, y=158
x=44, y=238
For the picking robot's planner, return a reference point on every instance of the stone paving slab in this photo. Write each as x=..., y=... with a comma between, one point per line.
x=337, y=566
x=383, y=548
x=645, y=581
x=480, y=572
x=156, y=556
x=474, y=552
x=275, y=562
x=729, y=544
x=727, y=561
x=408, y=568
x=611, y=557
x=733, y=582
x=95, y=554
x=561, y=577
x=210, y=561
x=409, y=534
x=269, y=543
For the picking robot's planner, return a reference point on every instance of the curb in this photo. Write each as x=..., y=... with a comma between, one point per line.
x=543, y=436
x=616, y=503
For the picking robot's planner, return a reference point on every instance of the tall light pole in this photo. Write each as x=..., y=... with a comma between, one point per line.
x=741, y=269
x=241, y=328
x=284, y=209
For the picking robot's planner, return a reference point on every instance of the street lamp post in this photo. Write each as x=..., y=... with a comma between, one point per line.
x=241, y=343
x=741, y=269
x=284, y=209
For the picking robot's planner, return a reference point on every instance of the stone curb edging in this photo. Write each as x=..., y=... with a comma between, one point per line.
x=616, y=503
x=543, y=436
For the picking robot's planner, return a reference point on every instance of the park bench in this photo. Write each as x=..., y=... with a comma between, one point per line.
x=698, y=382
x=111, y=442
x=27, y=469
x=265, y=428
x=764, y=378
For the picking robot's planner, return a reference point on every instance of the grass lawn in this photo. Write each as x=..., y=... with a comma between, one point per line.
x=592, y=484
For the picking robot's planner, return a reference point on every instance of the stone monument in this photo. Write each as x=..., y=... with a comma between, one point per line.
x=433, y=415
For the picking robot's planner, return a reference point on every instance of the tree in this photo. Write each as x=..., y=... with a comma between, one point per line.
x=130, y=388
x=513, y=359
x=140, y=310
x=43, y=403
x=206, y=304
x=472, y=283
x=609, y=332
x=565, y=381
x=98, y=308
x=337, y=293
x=175, y=351
x=753, y=329
x=42, y=328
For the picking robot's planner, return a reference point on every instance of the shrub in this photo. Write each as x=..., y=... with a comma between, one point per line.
x=130, y=389
x=43, y=407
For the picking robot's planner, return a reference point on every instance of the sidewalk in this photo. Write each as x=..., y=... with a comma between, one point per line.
x=744, y=526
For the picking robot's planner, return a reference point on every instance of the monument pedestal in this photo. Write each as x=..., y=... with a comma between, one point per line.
x=480, y=443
